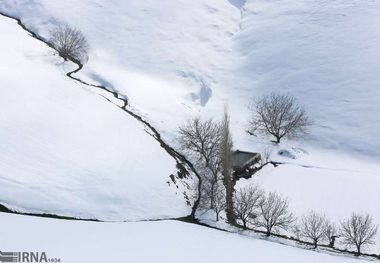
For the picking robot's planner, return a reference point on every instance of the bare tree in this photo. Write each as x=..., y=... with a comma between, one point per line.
x=274, y=213
x=226, y=164
x=313, y=227
x=200, y=140
x=246, y=203
x=330, y=233
x=265, y=157
x=296, y=230
x=277, y=115
x=220, y=201
x=358, y=231
x=70, y=43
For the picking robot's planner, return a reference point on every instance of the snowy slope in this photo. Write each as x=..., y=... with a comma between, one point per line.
x=197, y=55
x=334, y=191
x=165, y=241
x=326, y=54
x=180, y=58
x=66, y=150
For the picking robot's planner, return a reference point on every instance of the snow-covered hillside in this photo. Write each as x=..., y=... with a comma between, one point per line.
x=67, y=151
x=197, y=55
x=165, y=241
x=180, y=58
x=326, y=54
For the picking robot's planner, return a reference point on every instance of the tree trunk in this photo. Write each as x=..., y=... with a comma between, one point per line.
x=197, y=201
x=358, y=248
x=229, y=201
x=332, y=241
x=226, y=162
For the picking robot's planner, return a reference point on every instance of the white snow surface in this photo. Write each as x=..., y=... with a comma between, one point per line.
x=65, y=150
x=175, y=59
x=179, y=58
x=164, y=242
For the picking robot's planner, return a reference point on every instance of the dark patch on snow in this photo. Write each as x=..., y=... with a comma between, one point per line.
x=205, y=92
x=239, y=4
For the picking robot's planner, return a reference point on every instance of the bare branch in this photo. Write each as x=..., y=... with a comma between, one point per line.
x=70, y=43
x=313, y=227
x=358, y=231
x=200, y=140
x=279, y=116
x=247, y=203
x=331, y=233
x=274, y=213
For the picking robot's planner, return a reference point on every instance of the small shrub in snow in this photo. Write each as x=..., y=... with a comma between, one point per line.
x=70, y=43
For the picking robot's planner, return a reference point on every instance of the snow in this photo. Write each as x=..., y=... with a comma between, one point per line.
x=335, y=189
x=324, y=53
x=67, y=151
x=175, y=59
x=198, y=55
x=162, y=241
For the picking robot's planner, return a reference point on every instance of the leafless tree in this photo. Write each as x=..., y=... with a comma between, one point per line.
x=246, y=204
x=274, y=213
x=330, y=233
x=265, y=157
x=358, y=231
x=313, y=227
x=220, y=201
x=277, y=115
x=226, y=165
x=70, y=43
x=200, y=140
x=296, y=230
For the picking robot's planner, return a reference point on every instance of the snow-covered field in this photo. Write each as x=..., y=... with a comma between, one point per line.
x=164, y=241
x=65, y=150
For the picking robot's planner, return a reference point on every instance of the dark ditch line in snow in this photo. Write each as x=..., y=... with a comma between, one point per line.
x=5, y=209
x=181, y=160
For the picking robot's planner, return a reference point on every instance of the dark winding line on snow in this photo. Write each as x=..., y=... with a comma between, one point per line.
x=181, y=160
